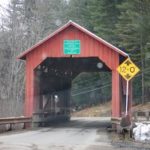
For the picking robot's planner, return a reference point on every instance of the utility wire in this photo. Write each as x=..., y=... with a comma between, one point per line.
x=82, y=81
x=145, y=71
x=75, y=91
x=86, y=88
x=80, y=93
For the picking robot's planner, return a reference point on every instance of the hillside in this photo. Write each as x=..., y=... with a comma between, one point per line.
x=104, y=110
x=94, y=111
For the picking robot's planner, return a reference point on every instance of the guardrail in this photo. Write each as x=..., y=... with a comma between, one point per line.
x=15, y=120
x=141, y=115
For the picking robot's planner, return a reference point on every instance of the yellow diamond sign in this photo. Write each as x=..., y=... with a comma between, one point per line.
x=128, y=69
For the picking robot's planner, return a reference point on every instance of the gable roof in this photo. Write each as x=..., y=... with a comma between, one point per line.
x=23, y=55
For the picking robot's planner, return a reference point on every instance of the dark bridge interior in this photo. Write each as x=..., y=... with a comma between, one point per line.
x=53, y=81
x=56, y=74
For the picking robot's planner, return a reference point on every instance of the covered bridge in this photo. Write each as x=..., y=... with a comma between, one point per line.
x=52, y=63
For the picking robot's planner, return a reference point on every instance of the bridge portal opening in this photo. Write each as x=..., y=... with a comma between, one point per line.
x=55, y=86
x=91, y=94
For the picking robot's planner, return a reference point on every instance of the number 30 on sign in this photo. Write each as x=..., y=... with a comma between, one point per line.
x=128, y=69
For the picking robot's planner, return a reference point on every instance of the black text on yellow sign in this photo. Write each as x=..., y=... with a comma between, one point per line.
x=128, y=69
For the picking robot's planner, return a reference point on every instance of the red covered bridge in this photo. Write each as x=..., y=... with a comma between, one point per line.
x=49, y=69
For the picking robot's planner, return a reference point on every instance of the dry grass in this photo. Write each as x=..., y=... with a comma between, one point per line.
x=142, y=107
x=102, y=110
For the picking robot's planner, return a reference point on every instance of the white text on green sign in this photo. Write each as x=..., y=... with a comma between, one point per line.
x=71, y=47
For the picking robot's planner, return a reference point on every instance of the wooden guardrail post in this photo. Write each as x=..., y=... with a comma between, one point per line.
x=147, y=115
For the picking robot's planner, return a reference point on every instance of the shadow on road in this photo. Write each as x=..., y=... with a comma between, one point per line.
x=86, y=123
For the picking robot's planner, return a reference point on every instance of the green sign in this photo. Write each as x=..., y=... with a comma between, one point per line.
x=71, y=47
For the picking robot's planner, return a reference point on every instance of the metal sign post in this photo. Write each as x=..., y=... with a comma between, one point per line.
x=127, y=97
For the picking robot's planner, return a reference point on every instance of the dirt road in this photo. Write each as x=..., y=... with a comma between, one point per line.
x=78, y=134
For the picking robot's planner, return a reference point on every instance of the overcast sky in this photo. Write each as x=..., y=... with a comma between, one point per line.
x=4, y=2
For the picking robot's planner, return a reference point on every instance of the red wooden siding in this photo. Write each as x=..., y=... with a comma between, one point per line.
x=53, y=47
x=89, y=47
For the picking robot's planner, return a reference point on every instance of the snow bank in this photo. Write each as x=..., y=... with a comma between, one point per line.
x=141, y=132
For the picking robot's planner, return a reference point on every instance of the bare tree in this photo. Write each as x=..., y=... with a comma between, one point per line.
x=25, y=22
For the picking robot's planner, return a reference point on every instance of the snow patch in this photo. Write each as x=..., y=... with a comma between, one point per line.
x=141, y=132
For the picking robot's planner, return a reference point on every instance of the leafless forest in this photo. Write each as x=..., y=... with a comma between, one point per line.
x=23, y=23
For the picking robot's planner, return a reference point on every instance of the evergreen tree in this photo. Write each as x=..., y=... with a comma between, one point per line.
x=132, y=30
x=78, y=12
x=103, y=17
